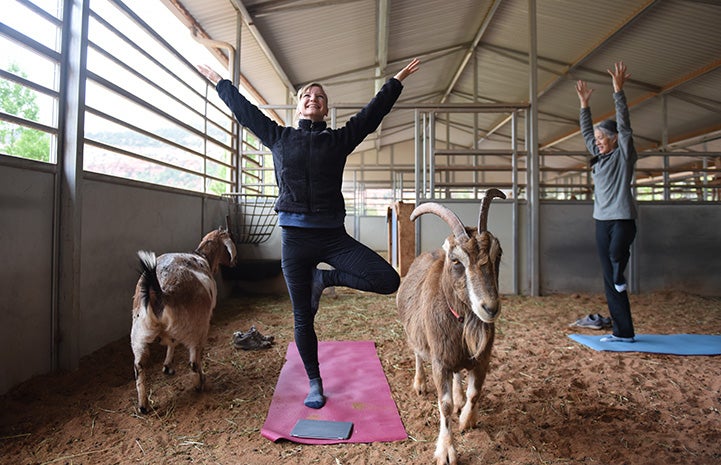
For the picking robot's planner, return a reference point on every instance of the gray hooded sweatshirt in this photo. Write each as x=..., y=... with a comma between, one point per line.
x=612, y=172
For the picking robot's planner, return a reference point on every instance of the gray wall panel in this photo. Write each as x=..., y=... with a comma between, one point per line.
x=118, y=220
x=568, y=257
x=26, y=232
x=374, y=232
x=678, y=247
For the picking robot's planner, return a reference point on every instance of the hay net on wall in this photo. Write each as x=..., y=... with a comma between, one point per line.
x=251, y=218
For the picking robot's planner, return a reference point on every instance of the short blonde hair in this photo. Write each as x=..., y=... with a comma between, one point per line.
x=305, y=88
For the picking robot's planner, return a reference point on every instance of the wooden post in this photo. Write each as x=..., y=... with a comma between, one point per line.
x=401, y=236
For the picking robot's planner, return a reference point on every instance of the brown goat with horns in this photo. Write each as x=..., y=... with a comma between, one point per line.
x=174, y=301
x=448, y=303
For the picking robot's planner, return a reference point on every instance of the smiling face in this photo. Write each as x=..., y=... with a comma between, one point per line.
x=604, y=142
x=312, y=103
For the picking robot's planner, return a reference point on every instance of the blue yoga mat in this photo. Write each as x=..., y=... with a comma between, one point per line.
x=671, y=344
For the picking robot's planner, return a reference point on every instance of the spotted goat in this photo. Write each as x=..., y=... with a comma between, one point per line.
x=173, y=302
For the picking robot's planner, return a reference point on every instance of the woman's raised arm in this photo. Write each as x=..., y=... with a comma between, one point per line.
x=209, y=73
x=409, y=69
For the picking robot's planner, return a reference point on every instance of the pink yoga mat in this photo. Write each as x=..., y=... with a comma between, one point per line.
x=356, y=390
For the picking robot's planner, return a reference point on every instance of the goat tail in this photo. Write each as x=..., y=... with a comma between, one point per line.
x=151, y=295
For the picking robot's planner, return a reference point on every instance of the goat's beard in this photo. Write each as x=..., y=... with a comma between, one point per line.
x=475, y=334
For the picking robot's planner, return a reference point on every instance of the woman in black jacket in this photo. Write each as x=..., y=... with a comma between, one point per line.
x=309, y=162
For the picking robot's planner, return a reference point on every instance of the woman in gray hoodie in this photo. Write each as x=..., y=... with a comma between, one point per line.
x=614, y=208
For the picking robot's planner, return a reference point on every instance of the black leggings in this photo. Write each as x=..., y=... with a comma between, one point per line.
x=614, y=239
x=355, y=266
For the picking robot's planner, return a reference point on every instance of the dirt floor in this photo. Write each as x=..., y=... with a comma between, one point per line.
x=547, y=399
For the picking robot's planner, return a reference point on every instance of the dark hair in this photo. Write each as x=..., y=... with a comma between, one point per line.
x=608, y=126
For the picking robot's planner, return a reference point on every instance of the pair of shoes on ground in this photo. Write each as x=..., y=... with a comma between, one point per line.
x=593, y=321
x=251, y=340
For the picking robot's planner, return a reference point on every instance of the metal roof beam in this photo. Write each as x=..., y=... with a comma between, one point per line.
x=425, y=57
x=471, y=48
x=646, y=97
x=701, y=136
x=383, y=15
x=184, y=16
x=382, y=41
x=678, y=141
x=278, y=6
x=577, y=63
x=248, y=19
x=635, y=16
x=701, y=102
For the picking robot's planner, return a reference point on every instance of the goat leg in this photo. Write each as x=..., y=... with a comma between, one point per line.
x=196, y=364
x=458, y=396
x=168, y=362
x=140, y=339
x=445, y=453
x=419, y=380
x=141, y=355
x=469, y=415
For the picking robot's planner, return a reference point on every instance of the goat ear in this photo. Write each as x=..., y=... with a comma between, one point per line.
x=230, y=247
x=447, y=245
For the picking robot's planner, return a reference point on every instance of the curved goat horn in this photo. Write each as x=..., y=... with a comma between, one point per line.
x=485, y=205
x=459, y=230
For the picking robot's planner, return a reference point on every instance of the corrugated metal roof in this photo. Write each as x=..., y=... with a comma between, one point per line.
x=671, y=47
x=318, y=45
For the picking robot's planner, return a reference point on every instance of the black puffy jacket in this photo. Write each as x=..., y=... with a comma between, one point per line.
x=309, y=160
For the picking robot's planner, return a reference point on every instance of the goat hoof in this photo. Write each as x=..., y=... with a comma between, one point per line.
x=201, y=383
x=168, y=370
x=446, y=458
x=142, y=410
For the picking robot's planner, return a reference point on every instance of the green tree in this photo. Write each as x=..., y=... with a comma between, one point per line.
x=20, y=141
